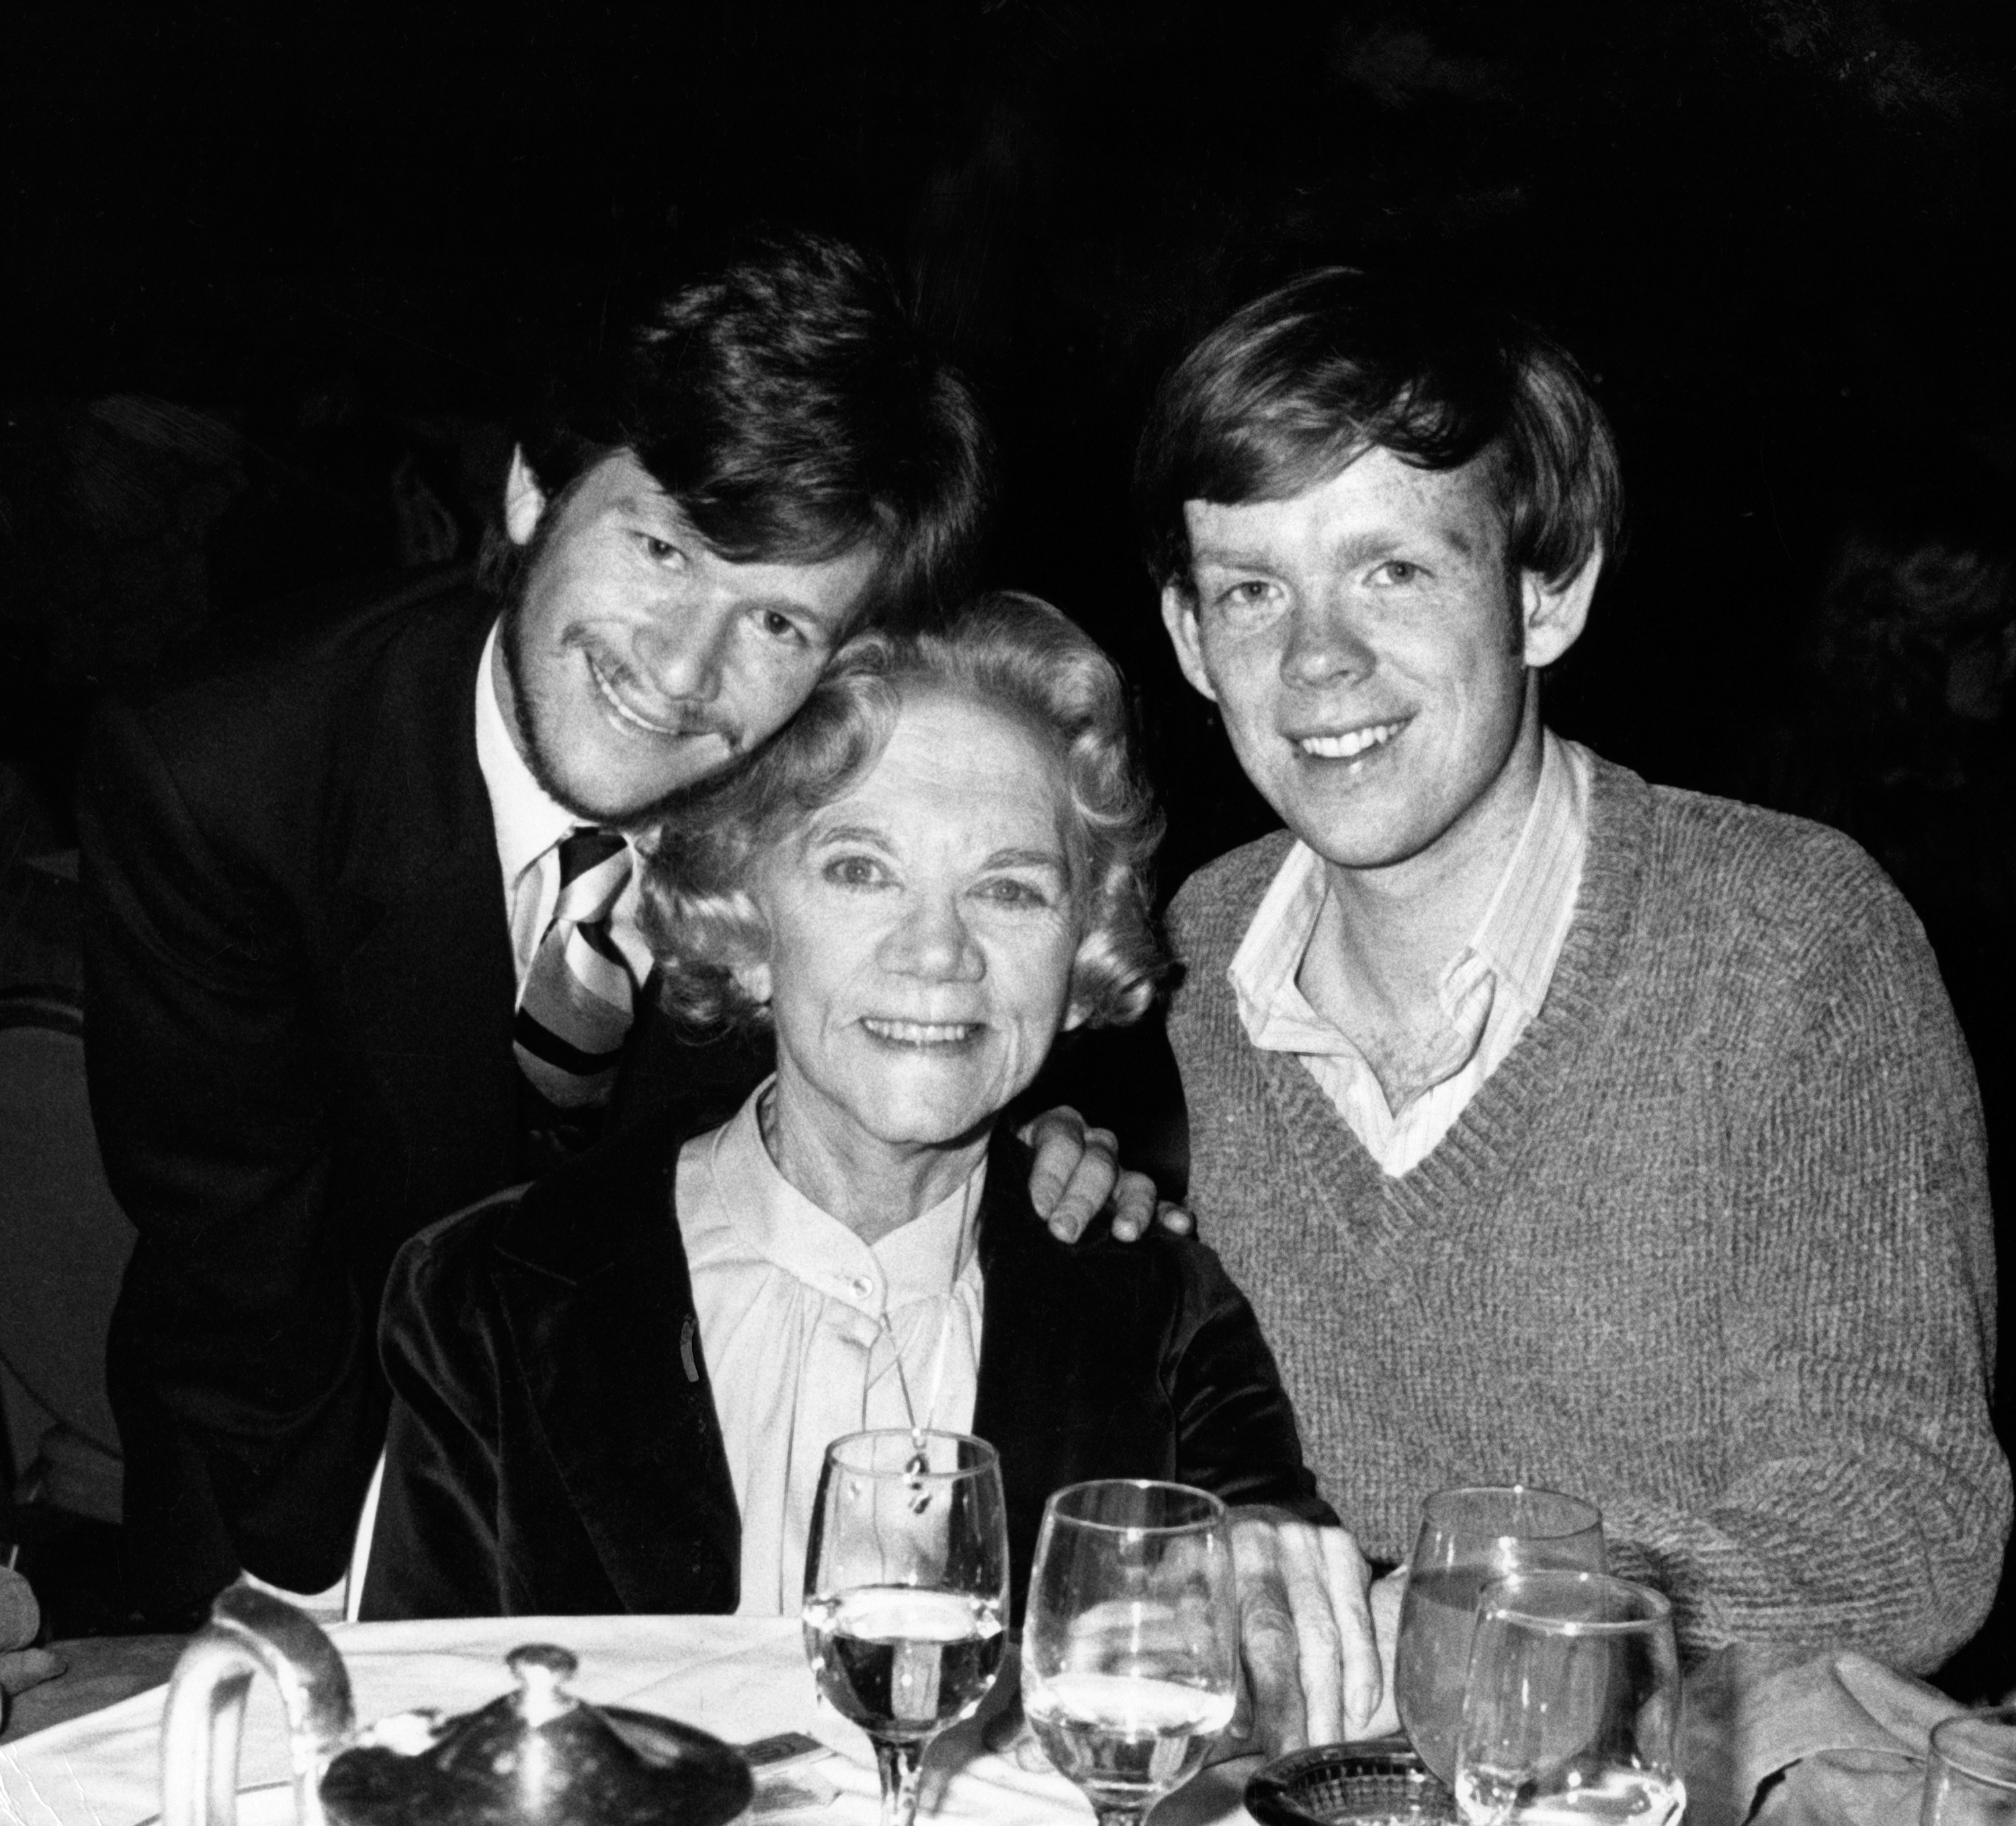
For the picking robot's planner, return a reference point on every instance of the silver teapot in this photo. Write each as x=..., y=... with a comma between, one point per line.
x=536, y=1757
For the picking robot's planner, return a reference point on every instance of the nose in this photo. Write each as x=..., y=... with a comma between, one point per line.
x=1324, y=644
x=932, y=941
x=683, y=652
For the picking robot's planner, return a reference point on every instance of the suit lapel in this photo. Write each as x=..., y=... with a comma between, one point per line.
x=599, y=1309
x=428, y=978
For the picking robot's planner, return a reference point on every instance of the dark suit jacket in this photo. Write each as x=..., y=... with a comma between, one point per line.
x=554, y=1444
x=299, y=1001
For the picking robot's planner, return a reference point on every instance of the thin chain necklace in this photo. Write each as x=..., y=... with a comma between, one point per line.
x=917, y=1466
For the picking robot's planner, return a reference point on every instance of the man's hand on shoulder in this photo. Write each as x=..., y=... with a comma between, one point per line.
x=1317, y=1671
x=1077, y=1174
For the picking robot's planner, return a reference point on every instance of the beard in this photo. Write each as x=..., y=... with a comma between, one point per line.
x=531, y=727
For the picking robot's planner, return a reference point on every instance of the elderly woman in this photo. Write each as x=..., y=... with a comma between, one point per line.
x=614, y=1392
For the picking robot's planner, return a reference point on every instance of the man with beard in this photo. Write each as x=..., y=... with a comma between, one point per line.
x=361, y=939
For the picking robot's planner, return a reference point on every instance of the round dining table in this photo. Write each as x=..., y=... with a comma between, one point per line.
x=741, y=1678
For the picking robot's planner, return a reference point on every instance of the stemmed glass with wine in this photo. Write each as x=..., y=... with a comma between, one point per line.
x=1130, y=1647
x=1468, y=1538
x=906, y=1591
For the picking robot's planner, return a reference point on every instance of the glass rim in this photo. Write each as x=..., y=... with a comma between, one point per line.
x=984, y=1456
x=1216, y=1511
x=1952, y=1740
x=1658, y=1608
x=1579, y=1503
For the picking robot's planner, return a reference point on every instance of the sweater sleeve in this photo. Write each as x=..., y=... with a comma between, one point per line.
x=1235, y=1430
x=1870, y=1501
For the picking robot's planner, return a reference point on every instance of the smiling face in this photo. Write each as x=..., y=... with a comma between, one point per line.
x=637, y=660
x=1371, y=655
x=922, y=934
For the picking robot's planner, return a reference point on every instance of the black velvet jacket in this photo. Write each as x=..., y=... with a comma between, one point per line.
x=554, y=1444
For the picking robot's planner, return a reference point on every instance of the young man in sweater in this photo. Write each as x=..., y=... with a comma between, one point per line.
x=1562, y=1129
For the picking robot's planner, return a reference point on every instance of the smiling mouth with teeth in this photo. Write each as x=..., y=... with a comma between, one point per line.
x=1351, y=744
x=922, y=1033
x=636, y=719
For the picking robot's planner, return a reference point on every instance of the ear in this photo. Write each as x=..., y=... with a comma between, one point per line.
x=754, y=979
x=1551, y=616
x=1179, y=617
x=524, y=500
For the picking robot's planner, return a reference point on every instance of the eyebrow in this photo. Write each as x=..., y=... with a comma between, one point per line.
x=656, y=501
x=1232, y=559
x=1028, y=859
x=1013, y=858
x=818, y=832
x=1353, y=549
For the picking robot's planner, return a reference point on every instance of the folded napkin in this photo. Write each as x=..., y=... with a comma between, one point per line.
x=1814, y=1740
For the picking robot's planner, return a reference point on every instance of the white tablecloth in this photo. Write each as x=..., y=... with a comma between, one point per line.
x=739, y=1678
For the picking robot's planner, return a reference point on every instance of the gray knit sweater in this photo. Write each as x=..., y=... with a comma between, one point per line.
x=1712, y=1247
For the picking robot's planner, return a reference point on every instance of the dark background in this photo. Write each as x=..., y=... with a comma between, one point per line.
x=1773, y=230
x=275, y=276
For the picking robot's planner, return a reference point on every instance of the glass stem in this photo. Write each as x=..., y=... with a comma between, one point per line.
x=1119, y=1816
x=899, y=1763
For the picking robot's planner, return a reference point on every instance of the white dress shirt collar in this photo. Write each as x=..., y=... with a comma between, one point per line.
x=1490, y=991
x=529, y=825
x=529, y=821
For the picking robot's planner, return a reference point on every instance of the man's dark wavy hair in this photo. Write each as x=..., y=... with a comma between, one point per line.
x=789, y=401
x=1294, y=386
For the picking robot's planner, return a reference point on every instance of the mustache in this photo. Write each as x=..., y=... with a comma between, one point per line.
x=677, y=716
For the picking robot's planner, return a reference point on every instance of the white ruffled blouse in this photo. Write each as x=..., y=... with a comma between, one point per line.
x=792, y=1307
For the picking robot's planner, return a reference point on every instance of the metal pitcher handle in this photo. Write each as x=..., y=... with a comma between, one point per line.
x=250, y=1630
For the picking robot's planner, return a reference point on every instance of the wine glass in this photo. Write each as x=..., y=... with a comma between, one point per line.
x=1572, y=1708
x=906, y=1591
x=1467, y=1538
x=1130, y=1648
x=1971, y=1779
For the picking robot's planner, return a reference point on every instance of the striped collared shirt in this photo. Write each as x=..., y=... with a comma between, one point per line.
x=1489, y=991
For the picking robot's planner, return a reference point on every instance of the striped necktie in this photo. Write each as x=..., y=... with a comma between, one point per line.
x=575, y=1008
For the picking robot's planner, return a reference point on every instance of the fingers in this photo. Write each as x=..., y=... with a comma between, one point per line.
x=1318, y=1643
x=1174, y=1219
x=1268, y=1650
x=1074, y=1172
x=1306, y=1629
x=1349, y=1582
x=1134, y=1202
x=1387, y=1596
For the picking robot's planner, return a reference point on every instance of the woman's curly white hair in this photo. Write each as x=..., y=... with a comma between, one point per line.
x=1008, y=651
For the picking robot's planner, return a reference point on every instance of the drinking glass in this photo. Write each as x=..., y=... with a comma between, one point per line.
x=1971, y=1779
x=906, y=1591
x=1130, y=1648
x=1572, y=1708
x=1468, y=1538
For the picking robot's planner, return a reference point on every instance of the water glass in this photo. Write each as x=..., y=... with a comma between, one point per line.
x=906, y=1591
x=1130, y=1649
x=1468, y=1539
x=1971, y=1779
x=1572, y=1710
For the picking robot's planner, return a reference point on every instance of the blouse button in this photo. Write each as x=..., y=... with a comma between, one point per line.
x=863, y=1287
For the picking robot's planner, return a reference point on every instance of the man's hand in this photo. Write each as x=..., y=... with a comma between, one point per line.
x=1077, y=1173
x=1314, y=1670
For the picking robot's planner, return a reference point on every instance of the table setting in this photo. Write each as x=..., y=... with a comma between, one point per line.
x=886, y=1700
